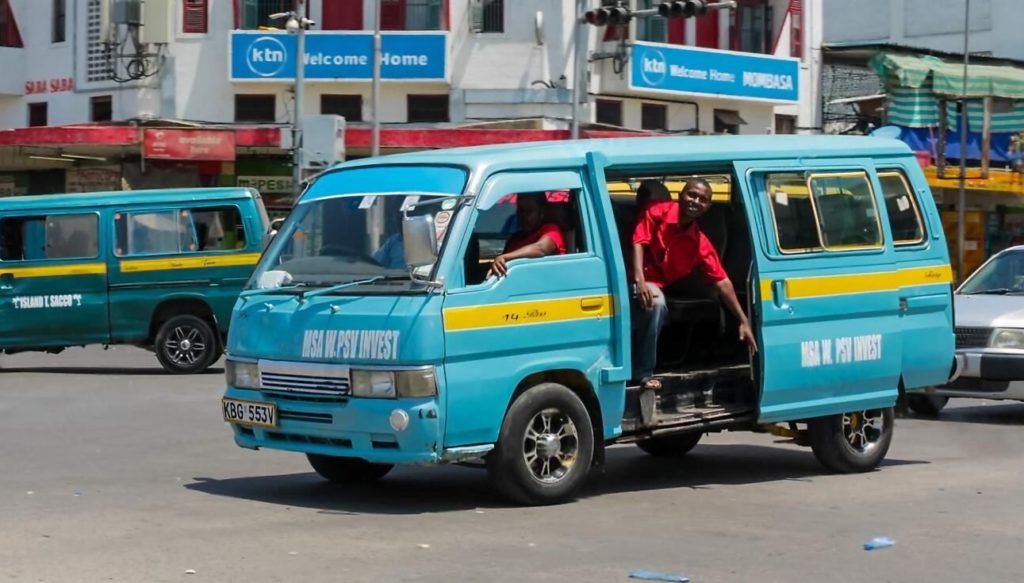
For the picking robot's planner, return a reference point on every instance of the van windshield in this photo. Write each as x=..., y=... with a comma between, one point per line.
x=349, y=240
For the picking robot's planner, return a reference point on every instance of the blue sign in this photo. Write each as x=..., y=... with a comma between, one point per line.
x=674, y=69
x=329, y=56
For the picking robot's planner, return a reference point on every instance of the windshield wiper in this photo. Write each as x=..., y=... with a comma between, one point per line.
x=996, y=291
x=339, y=287
x=273, y=290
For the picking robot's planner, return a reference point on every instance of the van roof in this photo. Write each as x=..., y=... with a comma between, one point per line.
x=122, y=197
x=648, y=151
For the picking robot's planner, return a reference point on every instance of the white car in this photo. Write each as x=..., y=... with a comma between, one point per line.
x=989, y=320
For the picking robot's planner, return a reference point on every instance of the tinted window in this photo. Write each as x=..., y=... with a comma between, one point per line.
x=179, y=231
x=902, y=208
x=792, y=213
x=49, y=237
x=846, y=211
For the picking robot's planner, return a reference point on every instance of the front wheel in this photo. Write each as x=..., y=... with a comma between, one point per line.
x=186, y=344
x=545, y=447
x=347, y=470
x=929, y=405
x=852, y=442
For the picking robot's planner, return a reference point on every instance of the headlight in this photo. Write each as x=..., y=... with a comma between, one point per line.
x=244, y=375
x=383, y=384
x=376, y=384
x=1007, y=338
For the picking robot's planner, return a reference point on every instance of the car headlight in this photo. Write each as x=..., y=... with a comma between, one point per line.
x=374, y=384
x=386, y=384
x=1007, y=338
x=244, y=375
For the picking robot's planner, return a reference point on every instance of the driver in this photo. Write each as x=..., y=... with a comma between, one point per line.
x=536, y=237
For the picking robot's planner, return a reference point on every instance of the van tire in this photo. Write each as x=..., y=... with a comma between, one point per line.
x=347, y=470
x=202, y=346
x=670, y=445
x=530, y=464
x=928, y=405
x=846, y=444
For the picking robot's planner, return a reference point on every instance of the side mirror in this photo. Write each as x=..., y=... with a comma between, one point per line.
x=419, y=241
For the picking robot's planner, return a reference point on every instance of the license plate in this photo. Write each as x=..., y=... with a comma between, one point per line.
x=250, y=412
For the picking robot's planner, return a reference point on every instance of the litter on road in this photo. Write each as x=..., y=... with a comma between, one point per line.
x=655, y=576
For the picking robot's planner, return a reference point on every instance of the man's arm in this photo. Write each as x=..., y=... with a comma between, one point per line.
x=642, y=291
x=542, y=248
x=725, y=291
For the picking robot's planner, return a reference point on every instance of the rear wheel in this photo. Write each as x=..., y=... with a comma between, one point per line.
x=852, y=442
x=545, y=447
x=929, y=405
x=186, y=344
x=670, y=445
x=347, y=470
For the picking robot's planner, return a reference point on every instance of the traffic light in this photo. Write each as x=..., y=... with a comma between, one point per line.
x=612, y=16
x=683, y=8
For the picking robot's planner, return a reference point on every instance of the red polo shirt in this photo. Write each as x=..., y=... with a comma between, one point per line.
x=672, y=251
x=549, y=230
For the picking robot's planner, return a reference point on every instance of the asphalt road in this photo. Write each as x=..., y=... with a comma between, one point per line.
x=113, y=471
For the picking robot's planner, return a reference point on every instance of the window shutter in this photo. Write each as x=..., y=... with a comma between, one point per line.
x=194, y=16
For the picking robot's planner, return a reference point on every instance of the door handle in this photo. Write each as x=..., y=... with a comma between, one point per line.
x=779, y=293
x=591, y=304
x=904, y=304
x=6, y=281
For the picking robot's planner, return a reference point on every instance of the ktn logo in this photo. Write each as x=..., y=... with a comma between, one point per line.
x=653, y=66
x=266, y=56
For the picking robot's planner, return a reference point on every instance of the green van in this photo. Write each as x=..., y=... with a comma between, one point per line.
x=159, y=269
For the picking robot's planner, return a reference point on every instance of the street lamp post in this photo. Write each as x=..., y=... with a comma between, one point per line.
x=297, y=24
x=961, y=202
x=375, y=136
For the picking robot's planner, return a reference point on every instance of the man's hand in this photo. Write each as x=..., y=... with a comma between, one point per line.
x=747, y=335
x=643, y=293
x=499, y=267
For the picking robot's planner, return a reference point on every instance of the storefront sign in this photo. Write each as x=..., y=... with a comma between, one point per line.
x=333, y=55
x=93, y=179
x=50, y=86
x=267, y=184
x=166, y=144
x=672, y=69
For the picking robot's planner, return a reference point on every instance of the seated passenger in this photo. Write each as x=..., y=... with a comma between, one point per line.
x=536, y=237
x=391, y=254
x=664, y=252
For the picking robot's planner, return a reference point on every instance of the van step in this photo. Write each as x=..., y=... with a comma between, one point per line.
x=705, y=418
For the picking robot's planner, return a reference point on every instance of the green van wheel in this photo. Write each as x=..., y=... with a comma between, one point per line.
x=852, y=442
x=545, y=447
x=186, y=344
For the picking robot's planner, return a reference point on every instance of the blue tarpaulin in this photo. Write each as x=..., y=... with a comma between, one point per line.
x=927, y=140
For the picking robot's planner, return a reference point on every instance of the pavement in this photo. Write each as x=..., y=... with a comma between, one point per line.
x=115, y=471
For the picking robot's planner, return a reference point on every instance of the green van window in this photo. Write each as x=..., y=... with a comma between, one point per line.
x=179, y=231
x=49, y=237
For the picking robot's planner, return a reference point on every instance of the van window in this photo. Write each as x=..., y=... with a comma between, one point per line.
x=792, y=212
x=179, y=231
x=902, y=208
x=49, y=237
x=846, y=211
x=497, y=224
x=832, y=212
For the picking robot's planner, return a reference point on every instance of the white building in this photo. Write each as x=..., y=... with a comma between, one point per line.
x=456, y=72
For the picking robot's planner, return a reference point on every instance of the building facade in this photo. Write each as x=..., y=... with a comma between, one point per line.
x=83, y=97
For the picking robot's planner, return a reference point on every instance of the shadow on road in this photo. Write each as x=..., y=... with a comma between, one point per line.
x=994, y=413
x=453, y=488
x=98, y=370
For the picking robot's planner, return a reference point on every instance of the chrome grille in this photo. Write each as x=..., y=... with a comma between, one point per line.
x=319, y=380
x=972, y=337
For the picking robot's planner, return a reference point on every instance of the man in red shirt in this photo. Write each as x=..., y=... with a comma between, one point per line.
x=536, y=237
x=668, y=245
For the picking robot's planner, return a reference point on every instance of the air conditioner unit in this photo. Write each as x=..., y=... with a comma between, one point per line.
x=128, y=12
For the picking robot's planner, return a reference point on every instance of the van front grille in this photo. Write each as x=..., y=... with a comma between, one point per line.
x=972, y=337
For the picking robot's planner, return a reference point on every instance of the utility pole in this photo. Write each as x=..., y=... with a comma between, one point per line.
x=961, y=203
x=579, y=68
x=375, y=139
x=297, y=24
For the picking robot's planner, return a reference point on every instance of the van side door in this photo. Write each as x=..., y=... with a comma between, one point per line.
x=549, y=313
x=53, y=280
x=827, y=303
x=926, y=296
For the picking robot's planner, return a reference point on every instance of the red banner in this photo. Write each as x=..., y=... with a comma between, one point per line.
x=165, y=144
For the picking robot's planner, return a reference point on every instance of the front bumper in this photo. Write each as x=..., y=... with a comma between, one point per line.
x=986, y=374
x=350, y=427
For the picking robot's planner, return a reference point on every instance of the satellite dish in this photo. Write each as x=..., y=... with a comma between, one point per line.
x=538, y=27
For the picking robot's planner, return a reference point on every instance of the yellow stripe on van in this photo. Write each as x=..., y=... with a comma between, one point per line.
x=140, y=265
x=520, y=313
x=57, y=270
x=812, y=287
